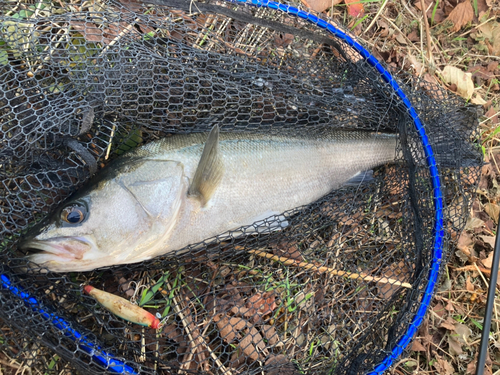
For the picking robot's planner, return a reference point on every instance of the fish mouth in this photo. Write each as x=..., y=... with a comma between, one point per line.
x=61, y=249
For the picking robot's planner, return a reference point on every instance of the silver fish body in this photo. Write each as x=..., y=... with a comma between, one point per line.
x=185, y=189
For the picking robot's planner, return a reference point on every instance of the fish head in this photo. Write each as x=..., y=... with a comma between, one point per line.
x=114, y=221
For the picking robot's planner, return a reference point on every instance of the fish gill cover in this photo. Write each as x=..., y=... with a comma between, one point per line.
x=337, y=286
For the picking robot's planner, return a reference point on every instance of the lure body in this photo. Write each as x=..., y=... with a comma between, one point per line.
x=122, y=308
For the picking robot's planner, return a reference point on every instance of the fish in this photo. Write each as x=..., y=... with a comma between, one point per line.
x=187, y=188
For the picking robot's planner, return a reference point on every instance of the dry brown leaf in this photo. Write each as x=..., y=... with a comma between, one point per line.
x=280, y=365
x=248, y=347
x=355, y=8
x=491, y=32
x=482, y=7
x=263, y=303
x=488, y=261
x=493, y=115
x=401, y=39
x=449, y=324
x=463, y=333
x=492, y=66
x=320, y=5
x=414, y=36
x=468, y=285
x=492, y=210
x=417, y=346
x=490, y=240
x=463, y=81
x=444, y=367
x=465, y=243
x=478, y=100
x=229, y=327
x=90, y=31
x=439, y=310
x=473, y=223
x=455, y=347
x=461, y=15
x=270, y=334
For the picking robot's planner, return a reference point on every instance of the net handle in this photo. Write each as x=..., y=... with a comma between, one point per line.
x=490, y=301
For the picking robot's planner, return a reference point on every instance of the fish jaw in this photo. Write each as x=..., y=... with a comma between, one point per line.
x=56, y=253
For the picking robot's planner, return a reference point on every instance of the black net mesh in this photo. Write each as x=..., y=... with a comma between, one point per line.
x=332, y=292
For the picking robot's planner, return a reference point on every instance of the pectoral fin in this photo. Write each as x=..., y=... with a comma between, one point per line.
x=210, y=169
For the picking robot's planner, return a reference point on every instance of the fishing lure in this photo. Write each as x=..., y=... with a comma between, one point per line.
x=123, y=308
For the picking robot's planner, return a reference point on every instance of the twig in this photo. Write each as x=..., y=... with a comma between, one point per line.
x=13, y=365
x=119, y=36
x=185, y=323
x=427, y=33
x=331, y=271
x=476, y=268
x=376, y=16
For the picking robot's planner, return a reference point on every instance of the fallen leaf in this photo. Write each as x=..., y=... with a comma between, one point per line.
x=478, y=100
x=263, y=303
x=320, y=5
x=250, y=343
x=444, y=367
x=488, y=261
x=415, y=64
x=480, y=71
x=270, y=334
x=463, y=81
x=449, y=324
x=463, y=333
x=461, y=15
x=491, y=32
x=492, y=210
x=280, y=365
x=355, y=8
x=417, y=346
x=468, y=285
x=464, y=244
x=455, y=347
x=492, y=66
x=482, y=7
x=449, y=307
x=492, y=114
x=413, y=36
x=283, y=40
x=473, y=223
x=229, y=327
x=401, y=39
x=490, y=240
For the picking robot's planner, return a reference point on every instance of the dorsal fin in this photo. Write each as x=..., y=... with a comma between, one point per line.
x=210, y=169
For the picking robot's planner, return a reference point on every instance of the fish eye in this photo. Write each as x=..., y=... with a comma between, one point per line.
x=74, y=214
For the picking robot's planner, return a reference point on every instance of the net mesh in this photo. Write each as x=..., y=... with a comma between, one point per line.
x=333, y=292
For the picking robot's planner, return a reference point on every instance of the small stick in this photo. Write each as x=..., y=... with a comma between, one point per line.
x=376, y=16
x=5, y=363
x=185, y=323
x=427, y=32
x=110, y=142
x=474, y=267
x=331, y=271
